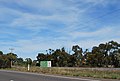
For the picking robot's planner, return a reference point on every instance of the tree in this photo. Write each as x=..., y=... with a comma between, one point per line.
x=104, y=55
x=1, y=53
x=12, y=57
x=50, y=51
x=98, y=54
x=41, y=57
x=4, y=61
x=78, y=55
x=114, y=53
x=71, y=61
x=60, y=58
x=19, y=62
x=28, y=61
x=64, y=57
x=56, y=58
x=85, y=57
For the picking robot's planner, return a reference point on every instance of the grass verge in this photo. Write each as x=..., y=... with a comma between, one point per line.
x=77, y=72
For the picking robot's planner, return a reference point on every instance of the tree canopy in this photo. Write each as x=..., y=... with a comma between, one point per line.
x=103, y=55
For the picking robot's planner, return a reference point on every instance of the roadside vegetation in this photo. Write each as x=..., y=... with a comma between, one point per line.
x=74, y=72
x=105, y=55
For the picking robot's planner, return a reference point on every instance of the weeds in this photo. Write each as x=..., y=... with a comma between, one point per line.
x=77, y=72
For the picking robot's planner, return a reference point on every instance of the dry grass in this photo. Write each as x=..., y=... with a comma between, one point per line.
x=77, y=72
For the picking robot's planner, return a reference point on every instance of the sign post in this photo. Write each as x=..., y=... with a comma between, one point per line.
x=28, y=67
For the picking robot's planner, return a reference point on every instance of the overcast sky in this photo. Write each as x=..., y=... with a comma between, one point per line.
x=33, y=26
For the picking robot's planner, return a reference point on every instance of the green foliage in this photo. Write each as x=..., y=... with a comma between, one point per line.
x=28, y=61
x=1, y=53
x=104, y=55
x=5, y=59
x=19, y=62
x=77, y=55
x=12, y=56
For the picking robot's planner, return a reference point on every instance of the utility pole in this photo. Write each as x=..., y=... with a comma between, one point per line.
x=11, y=51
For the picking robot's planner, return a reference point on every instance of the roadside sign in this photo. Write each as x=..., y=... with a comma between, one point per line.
x=45, y=63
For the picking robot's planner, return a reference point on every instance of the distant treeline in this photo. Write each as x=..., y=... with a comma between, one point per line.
x=10, y=59
x=6, y=59
x=104, y=55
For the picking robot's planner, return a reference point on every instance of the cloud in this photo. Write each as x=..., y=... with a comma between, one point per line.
x=66, y=16
x=29, y=48
x=101, y=32
x=34, y=26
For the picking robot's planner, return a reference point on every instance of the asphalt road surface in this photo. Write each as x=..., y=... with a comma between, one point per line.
x=25, y=76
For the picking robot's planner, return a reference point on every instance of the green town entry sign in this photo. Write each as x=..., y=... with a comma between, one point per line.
x=45, y=63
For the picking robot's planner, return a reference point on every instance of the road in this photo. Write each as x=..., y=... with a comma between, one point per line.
x=25, y=76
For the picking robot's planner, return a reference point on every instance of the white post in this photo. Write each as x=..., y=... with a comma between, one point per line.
x=28, y=67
